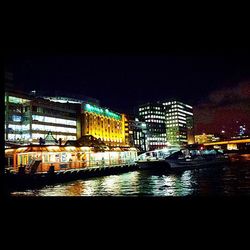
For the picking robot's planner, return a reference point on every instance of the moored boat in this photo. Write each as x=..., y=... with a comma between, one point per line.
x=184, y=159
x=191, y=159
x=155, y=159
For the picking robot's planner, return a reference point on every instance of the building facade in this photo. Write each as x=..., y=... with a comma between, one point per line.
x=136, y=133
x=43, y=116
x=154, y=116
x=179, y=123
x=14, y=107
x=104, y=124
x=205, y=138
x=28, y=118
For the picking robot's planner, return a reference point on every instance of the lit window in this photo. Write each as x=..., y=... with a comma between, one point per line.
x=17, y=100
x=16, y=118
x=15, y=127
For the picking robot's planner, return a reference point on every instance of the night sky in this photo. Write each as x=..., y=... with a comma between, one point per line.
x=121, y=82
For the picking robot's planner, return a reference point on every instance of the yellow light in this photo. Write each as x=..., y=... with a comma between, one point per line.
x=232, y=146
x=21, y=149
x=228, y=142
x=132, y=149
x=7, y=151
x=70, y=148
x=99, y=130
x=53, y=148
x=85, y=148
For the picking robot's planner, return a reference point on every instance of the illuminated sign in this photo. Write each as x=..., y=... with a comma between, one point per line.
x=101, y=111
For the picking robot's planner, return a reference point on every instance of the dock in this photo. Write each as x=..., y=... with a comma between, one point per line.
x=39, y=179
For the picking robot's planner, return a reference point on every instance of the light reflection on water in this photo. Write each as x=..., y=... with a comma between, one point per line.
x=219, y=181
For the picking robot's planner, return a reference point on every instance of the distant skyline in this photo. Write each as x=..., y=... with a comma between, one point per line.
x=225, y=110
x=123, y=82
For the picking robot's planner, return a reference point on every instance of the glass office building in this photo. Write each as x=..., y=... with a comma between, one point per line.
x=154, y=116
x=28, y=118
x=168, y=123
x=179, y=123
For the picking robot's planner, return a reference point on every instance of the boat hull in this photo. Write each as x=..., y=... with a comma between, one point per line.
x=172, y=165
x=178, y=164
x=157, y=165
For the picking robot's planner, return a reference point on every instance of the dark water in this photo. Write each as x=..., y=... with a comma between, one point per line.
x=227, y=180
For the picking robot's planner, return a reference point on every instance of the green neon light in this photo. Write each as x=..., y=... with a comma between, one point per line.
x=100, y=111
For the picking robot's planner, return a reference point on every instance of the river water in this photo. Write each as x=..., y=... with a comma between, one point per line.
x=226, y=181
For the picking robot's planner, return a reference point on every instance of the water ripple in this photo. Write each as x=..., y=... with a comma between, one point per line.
x=222, y=181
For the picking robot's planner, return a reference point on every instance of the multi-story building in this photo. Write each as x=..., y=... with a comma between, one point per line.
x=179, y=123
x=28, y=118
x=204, y=138
x=139, y=129
x=135, y=133
x=42, y=116
x=168, y=123
x=104, y=124
x=32, y=117
x=154, y=116
x=14, y=101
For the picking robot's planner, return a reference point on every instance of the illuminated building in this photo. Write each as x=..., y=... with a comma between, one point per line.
x=104, y=124
x=168, y=122
x=28, y=118
x=154, y=116
x=65, y=157
x=128, y=132
x=135, y=133
x=200, y=139
x=44, y=116
x=179, y=123
x=14, y=115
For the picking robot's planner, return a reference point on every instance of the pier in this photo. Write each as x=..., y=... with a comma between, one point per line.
x=21, y=180
x=38, y=165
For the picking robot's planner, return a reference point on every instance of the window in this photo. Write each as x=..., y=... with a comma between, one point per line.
x=17, y=100
x=53, y=120
x=16, y=118
x=53, y=128
x=15, y=127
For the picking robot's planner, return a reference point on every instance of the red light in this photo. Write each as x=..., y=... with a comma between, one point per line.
x=201, y=148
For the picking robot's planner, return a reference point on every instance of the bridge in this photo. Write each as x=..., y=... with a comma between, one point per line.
x=236, y=144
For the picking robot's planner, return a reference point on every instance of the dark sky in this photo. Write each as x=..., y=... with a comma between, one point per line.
x=226, y=109
x=121, y=82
